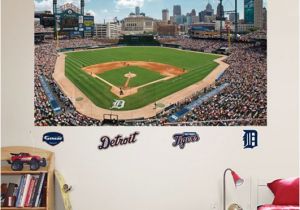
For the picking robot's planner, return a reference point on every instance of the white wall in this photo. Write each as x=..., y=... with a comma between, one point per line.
x=151, y=174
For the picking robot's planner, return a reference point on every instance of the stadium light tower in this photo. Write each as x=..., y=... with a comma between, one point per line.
x=235, y=21
x=235, y=12
x=54, y=6
x=220, y=16
x=82, y=7
x=221, y=4
x=54, y=14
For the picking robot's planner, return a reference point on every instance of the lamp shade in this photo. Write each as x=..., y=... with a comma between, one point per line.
x=237, y=179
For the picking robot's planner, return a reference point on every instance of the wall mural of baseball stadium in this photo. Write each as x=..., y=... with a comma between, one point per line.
x=206, y=69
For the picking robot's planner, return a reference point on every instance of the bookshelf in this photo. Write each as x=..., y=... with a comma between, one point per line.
x=8, y=173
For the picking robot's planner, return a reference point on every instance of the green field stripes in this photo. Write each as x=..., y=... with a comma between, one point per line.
x=143, y=76
x=197, y=65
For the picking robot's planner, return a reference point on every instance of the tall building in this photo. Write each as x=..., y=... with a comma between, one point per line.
x=253, y=12
x=177, y=10
x=167, y=29
x=249, y=11
x=137, y=25
x=265, y=18
x=201, y=16
x=220, y=11
x=232, y=17
x=195, y=19
x=110, y=30
x=193, y=13
x=208, y=12
x=189, y=19
x=258, y=14
x=101, y=30
x=113, y=30
x=180, y=19
x=137, y=10
x=165, y=15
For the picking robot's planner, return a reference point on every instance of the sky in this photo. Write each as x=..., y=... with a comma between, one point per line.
x=109, y=9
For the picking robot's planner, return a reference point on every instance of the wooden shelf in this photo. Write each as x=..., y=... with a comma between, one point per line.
x=6, y=170
x=24, y=208
x=49, y=169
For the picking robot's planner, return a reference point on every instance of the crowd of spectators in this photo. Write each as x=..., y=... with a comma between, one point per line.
x=45, y=59
x=77, y=43
x=259, y=34
x=203, y=45
x=41, y=29
x=242, y=102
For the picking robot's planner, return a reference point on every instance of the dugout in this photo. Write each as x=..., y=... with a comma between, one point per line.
x=171, y=45
x=222, y=50
x=138, y=40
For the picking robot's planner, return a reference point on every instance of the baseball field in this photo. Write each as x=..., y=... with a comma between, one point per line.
x=138, y=76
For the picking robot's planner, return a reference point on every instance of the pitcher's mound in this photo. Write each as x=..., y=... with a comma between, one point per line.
x=130, y=75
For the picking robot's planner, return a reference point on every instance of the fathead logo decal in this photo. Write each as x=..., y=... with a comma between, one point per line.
x=119, y=140
x=53, y=138
x=182, y=138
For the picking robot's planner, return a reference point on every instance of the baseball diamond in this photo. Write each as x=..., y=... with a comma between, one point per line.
x=130, y=76
x=139, y=76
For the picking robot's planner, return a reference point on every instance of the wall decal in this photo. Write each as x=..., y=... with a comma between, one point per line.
x=182, y=138
x=119, y=140
x=53, y=138
x=250, y=139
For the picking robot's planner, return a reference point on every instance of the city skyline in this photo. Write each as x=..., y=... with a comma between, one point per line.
x=108, y=10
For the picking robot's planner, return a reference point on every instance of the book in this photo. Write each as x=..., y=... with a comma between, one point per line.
x=38, y=198
x=10, y=192
x=29, y=193
x=44, y=194
x=4, y=190
x=19, y=194
x=38, y=189
x=26, y=187
x=31, y=201
x=16, y=190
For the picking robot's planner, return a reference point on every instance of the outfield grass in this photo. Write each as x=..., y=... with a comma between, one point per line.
x=197, y=65
x=143, y=76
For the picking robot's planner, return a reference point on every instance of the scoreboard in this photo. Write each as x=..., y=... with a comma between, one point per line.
x=74, y=24
x=69, y=22
x=88, y=23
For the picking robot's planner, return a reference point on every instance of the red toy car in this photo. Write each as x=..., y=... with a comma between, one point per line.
x=34, y=161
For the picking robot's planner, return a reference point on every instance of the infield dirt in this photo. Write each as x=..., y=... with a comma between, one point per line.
x=164, y=69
